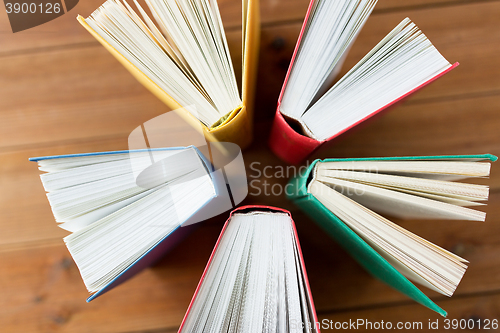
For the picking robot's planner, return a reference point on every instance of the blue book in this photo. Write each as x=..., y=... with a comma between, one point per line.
x=125, y=209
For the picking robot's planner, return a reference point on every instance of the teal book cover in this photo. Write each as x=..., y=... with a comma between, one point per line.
x=360, y=250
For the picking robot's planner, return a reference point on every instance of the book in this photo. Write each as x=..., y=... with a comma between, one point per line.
x=125, y=209
x=342, y=195
x=312, y=111
x=255, y=279
x=180, y=53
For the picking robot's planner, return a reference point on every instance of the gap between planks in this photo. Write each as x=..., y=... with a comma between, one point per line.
x=382, y=306
x=56, y=241
x=114, y=137
x=375, y=12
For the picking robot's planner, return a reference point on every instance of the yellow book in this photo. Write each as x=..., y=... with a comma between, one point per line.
x=179, y=52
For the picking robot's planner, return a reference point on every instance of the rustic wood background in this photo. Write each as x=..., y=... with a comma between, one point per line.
x=61, y=92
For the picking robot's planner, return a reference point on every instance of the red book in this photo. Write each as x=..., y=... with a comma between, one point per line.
x=235, y=264
x=292, y=140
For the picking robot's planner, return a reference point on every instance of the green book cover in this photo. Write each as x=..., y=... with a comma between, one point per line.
x=363, y=253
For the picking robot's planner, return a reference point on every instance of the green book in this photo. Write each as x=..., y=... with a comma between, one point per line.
x=344, y=196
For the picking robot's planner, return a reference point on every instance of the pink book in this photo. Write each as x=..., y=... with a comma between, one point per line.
x=244, y=284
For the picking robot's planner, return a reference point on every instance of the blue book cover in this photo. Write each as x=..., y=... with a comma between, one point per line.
x=170, y=240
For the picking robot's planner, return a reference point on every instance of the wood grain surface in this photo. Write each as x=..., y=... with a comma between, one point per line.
x=61, y=92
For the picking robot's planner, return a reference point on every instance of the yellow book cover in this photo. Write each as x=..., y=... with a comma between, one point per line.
x=234, y=126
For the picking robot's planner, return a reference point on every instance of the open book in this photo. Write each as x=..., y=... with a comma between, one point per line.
x=123, y=211
x=255, y=279
x=178, y=50
x=311, y=111
x=342, y=195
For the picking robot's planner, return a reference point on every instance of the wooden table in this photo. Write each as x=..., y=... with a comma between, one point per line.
x=61, y=92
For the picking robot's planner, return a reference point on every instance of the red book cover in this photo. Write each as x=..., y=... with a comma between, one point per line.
x=255, y=207
x=292, y=146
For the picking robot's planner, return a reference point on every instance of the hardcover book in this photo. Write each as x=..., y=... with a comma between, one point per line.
x=126, y=209
x=179, y=52
x=255, y=279
x=312, y=111
x=342, y=195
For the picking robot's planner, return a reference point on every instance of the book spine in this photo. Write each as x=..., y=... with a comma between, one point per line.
x=285, y=142
x=289, y=145
x=237, y=130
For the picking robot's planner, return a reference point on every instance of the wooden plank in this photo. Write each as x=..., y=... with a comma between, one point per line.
x=42, y=289
x=471, y=128
x=25, y=212
x=66, y=31
x=65, y=96
x=81, y=98
x=472, y=308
